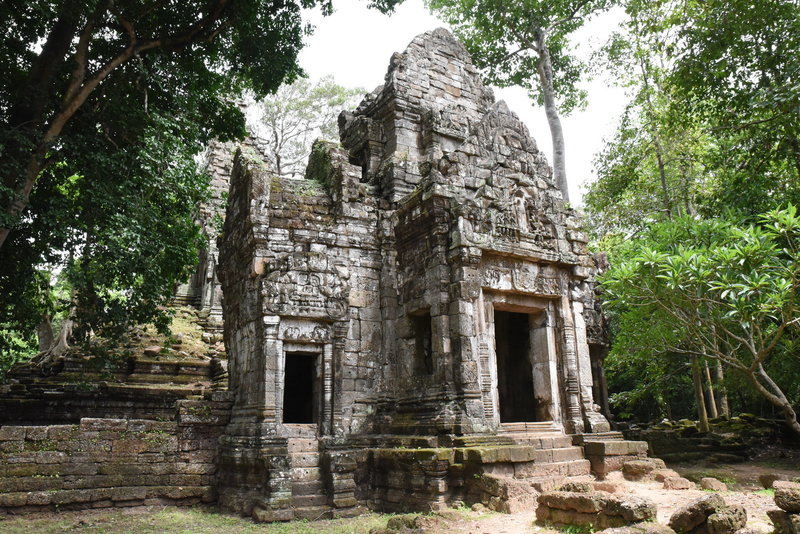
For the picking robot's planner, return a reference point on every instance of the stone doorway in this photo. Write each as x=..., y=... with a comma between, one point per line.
x=301, y=388
x=515, y=389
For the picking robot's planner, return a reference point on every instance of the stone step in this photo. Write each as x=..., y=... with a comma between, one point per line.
x=304, y=459
x=477, y=441
x=569, y=468
x=300, y=431
x=307, y=501
x=306, y=474
x=303, y=445
x=312, y=513
x=528, y=427
x=580, y=439
x=562, y=454
x=541, y=441
x=311, y=487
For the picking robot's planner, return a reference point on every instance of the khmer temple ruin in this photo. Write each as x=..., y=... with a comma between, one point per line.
x=432, y=291
x=412, y=324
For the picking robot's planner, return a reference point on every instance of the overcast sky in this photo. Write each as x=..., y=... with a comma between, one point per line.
x=355, y=43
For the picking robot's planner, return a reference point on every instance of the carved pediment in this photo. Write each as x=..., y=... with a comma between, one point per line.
x=304, y=284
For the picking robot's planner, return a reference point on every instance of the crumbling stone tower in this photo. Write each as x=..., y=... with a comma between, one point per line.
x=412, y=314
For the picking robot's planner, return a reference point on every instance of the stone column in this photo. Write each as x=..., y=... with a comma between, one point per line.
x=574, y=419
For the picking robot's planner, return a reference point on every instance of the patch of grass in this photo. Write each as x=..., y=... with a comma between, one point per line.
x=695, y=476
x=572, y=529
x=178, y=521
x=768, y=492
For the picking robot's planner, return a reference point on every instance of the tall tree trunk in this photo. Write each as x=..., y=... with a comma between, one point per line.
x=712, y=403
x=697, y=379
x=44, y=332
x=651, y=114
x=721, y=392
x=23, y=157
x=545, y=68
x=59, y=346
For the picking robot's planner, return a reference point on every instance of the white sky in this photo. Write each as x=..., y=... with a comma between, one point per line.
x=355, y=43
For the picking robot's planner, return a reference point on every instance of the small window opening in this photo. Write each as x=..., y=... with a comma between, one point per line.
x=423, y=343
x=362, y=160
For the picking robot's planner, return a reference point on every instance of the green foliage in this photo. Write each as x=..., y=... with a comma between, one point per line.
x=715, y=95
x=737, y=68
x=717, y=288
x=104, y=106
x=711, y=131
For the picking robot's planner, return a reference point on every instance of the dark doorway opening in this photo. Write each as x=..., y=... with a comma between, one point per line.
x=300, y=388
x=514, y=369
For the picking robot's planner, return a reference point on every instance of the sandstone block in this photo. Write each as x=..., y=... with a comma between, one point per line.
x=577, y=487
x=640, y=528
x=90, y=424
x=784, y=522
x=631, y=509
x=638, y=469
x=678, y=483
x=727, y=520
x=12, y=433
x=659, y=475
x=766, y=480
x=710, y=483
x=695, y=514
x=788, y=499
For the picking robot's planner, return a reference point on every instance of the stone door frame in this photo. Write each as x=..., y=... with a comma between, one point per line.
x=542, y=313
x=312, y=337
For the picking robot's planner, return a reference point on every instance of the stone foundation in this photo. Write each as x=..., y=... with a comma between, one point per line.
x=101, y=463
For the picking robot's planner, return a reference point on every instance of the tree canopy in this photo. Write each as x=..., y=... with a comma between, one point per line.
x=713, y=289
x=289, y=121
x=103, y=106
x=707, y=146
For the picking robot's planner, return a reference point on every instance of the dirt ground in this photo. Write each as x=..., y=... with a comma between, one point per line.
x=742, y=481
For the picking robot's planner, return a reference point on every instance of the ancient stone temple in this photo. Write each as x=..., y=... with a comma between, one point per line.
x=414, y=322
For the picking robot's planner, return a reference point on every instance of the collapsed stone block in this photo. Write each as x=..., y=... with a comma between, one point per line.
x=640, y=528
x=695, y=517
x=784, y=522
x=711, y=483
x=727, y=520
x=641, y=469
x=788, y=499
x=678, y=483
x=597, y=509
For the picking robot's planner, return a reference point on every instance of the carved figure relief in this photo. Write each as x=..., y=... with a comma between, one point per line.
x=508, y=275
x=539, y=224
x=306, y=331
x=304, y=285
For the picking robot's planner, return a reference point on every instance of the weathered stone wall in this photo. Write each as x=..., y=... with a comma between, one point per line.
x=102, y=463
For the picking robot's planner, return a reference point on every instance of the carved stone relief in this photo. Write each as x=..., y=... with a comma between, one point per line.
x=304, y=285
x=503, y=274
